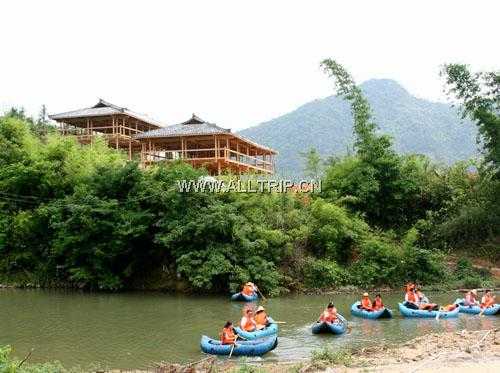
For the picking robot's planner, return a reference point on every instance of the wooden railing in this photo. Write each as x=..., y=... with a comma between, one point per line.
x=224, y=154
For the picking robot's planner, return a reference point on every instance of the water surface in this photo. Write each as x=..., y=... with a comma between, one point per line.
x=132, y=330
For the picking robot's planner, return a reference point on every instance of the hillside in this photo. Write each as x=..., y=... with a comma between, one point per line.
x=417, y=126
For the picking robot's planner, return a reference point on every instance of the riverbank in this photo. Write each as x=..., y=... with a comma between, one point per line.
x=447, y=352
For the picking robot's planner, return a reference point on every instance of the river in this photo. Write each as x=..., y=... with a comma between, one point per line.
x=132, y=330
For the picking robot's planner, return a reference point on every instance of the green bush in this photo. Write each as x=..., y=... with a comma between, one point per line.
x=322, y=273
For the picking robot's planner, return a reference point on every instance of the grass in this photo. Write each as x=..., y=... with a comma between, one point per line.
x=327, y=356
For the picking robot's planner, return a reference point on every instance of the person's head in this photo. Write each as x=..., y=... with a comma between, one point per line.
x=487, y=292
x=474, y=291
x=330, y=306
x=260, y=309
x=378, y=296
x=228, y=324
x=365, y=295
x=249, y=312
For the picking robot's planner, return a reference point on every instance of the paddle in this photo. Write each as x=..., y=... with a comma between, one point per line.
x=437, y=315
x=482, y=311
x=232, y=347
x=262, y=295
x=278, y=322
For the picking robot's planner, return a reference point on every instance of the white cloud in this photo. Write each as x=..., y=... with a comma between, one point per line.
x=236, y=63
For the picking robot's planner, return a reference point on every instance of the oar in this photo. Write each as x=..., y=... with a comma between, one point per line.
x=437, y=315
x=232, y=347
x=482, y=311
x=278, y=322
x=262, y=295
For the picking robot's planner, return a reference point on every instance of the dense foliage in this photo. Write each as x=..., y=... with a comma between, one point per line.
x=83, y=216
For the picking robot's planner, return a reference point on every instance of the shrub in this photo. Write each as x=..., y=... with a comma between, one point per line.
x=321, y=273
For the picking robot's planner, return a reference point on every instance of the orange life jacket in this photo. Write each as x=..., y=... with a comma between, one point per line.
x=261, y=318
x=247, y=324
x=377, y=304
x=449, y=307
x=327, y=316
x=248, y=290
x=487, y=301
x=411, y=297
x=366, y=303
x=227, y=336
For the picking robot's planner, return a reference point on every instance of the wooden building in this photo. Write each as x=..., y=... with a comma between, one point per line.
x=200, y=143
x=205, y=144
x=118, y=125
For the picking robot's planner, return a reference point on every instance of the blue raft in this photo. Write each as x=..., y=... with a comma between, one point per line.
x=256, y=347
x=384, y=313
x=271, y=329
x=408, y=312
x=475, y=310
x=244, y=298
x=338, y=327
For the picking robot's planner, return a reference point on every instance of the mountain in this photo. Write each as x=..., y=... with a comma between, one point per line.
x=417, y=126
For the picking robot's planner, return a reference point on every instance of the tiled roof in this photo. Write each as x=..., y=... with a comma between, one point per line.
x=191, y=127
x=103, y=108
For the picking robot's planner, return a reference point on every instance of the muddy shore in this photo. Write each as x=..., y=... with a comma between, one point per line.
x=447, y=352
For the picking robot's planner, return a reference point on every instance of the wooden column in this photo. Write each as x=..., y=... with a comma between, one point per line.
x=216, y=148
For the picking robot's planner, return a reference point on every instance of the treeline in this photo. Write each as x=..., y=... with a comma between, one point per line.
x=82, y=216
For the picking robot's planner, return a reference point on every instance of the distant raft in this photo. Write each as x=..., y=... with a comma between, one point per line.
x=475, y=310
x=244, y=298
x=337, y=327
x=271, y=329
x=408, y=312
x=255, y=347
x=384, y=313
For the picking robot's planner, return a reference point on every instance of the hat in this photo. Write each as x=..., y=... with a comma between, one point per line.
x=365, y=294
x=474, y=291
x=259, y=309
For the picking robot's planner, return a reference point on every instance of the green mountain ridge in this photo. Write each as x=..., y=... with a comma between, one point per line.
x=417, y=126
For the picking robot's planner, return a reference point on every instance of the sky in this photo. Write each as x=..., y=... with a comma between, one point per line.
x=235, y=63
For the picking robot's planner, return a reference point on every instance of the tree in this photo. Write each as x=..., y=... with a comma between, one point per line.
x=479, y=94
x=373, y=178
x=313, y=167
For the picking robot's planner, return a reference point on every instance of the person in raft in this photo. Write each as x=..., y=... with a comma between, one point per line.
x=329, y=315
x=488, y=299
x=366, y=303
x=377, y=303
x=261, y=319
x=417, y=302
x=247, y=322
x=249, y=289
x=228, y=337
x=471, y=298
x=411, y=299
x=421, y=296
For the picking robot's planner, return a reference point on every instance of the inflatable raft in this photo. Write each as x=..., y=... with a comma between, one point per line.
x=244, y=298
x=475, y=310
x=408, y=312
x=384, y=313
x=338, y=327
x=256, y=347
x=271, y=329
